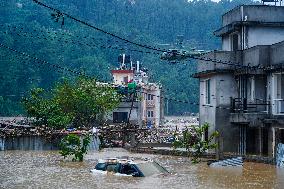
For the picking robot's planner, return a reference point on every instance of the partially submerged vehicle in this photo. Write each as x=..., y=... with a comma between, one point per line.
x=126, y=167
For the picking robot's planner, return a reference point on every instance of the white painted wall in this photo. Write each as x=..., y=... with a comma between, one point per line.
x=264, y=36
x=119, y=78
x=226, y=45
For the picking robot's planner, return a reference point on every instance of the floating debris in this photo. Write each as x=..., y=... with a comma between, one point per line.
x=233, y=162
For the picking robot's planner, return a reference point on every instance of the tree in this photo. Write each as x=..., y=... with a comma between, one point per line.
x=192, y=141
x=71, y=145
x=80, y=103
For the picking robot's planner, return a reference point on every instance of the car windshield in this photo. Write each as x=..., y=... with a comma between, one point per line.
x=151, y=168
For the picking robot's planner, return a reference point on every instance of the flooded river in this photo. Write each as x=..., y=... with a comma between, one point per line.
x=47, y=169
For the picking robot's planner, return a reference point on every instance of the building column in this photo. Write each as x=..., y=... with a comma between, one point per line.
x=260, y=140
x=271, y=142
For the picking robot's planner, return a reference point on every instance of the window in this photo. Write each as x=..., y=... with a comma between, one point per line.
x=150, y=97
x=120, y=117
x=125, y=79
x=207, y=91
x=278, y=93
x=150, y=113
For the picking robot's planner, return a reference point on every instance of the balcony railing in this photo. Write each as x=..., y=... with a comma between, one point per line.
x=150, y=103
x=241, y=105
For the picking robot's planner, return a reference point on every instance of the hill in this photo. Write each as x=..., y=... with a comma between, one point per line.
x=30, y=28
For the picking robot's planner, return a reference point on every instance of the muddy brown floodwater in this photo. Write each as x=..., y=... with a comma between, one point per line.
x=47, y=169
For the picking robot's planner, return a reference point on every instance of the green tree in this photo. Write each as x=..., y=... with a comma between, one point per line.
x=192, y=141
x=80, y=103
x=71, y=145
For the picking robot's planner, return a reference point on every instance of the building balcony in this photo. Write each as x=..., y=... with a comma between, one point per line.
x=150, y=103
x=241, y=105
x=253, y=113
x=219, y=60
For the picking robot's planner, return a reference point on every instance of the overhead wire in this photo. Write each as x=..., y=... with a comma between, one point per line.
x=95, y=27
x=109, y=84
x=75, y=72
x=138, y=44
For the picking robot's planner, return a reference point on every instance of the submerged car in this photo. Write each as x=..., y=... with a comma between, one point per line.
x=126, y=167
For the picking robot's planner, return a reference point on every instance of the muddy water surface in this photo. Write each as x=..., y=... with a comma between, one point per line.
x=47, y=169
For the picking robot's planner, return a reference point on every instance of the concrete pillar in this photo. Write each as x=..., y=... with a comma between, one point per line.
x=220, y=148
x=270, y=141
x=260, y=140
x=273, y=141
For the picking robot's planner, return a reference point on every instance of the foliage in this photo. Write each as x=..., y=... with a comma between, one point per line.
x=71, y=145
x=80, y=103
x=193, y=140
x=144, y=21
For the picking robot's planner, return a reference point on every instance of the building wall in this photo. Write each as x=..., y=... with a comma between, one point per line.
x=226, y=43
x=222, y=87
x=133, y=116
x=226, y=56
x=119, y=78
x=156, y=107
x=276, y=53
x=264, y=35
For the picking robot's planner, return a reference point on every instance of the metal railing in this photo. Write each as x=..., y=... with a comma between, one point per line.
x=242, y=105
x=150, y=103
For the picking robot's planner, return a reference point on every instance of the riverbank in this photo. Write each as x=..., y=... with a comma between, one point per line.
x=183, y=153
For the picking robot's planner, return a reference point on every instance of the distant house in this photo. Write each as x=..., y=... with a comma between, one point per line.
x=242, y=95
x=148, y=105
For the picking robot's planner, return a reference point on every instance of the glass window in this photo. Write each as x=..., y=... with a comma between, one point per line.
x=101, y=166
x=150, y=97
x=127, y=169
x=150, y=113
x=151, y=168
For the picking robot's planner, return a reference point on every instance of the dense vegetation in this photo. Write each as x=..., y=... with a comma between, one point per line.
x=73, y=45
x=79, y=104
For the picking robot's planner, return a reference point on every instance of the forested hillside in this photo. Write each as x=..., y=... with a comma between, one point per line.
x=27, y=27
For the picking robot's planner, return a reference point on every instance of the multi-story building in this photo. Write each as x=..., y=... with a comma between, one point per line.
x=147, y=108
x=242, y=86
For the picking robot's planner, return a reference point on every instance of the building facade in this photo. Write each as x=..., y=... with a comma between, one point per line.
x=147, y=106
x=242, y=86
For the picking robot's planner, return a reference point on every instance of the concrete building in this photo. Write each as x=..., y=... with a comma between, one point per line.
x=148, y=104
x=241, y=94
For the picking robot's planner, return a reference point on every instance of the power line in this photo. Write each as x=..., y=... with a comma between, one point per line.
x=95, y=27
x=75, y=42
x=60, y=13
x=175, y=99
x=148, y=52
x=109, y=84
